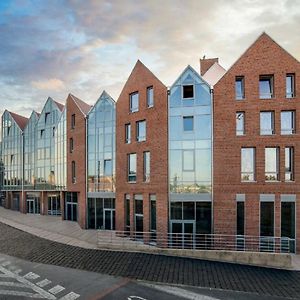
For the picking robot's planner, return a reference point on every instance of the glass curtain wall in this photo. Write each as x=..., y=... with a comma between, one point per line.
x=12, y=153
x=46, y=127
x=30, y=152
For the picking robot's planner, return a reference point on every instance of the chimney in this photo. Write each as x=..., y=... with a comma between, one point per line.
x=206, y=63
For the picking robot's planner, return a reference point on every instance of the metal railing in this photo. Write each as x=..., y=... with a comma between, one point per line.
x=130, y=240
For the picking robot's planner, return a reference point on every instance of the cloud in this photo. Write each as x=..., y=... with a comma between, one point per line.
x=53, y=84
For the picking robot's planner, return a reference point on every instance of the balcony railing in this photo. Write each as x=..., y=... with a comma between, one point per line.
x=151, y=240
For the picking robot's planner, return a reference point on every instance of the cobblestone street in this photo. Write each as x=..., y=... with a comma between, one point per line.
x=157, y=268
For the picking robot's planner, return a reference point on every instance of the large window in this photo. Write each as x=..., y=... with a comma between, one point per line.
x=141, y=131
x=188, y=160
x=127, y=133
x=248, y=164
x=239, y=88
x=127, y=212
x=134, y=102
x=73, y=172
x=188, y=123
x=288, y=122
x=266, y=86
x=272, y=164
x=288, y=223
x=147, y=166
x=73, y=121
x=138, y=212
x=188, y=91
x=152, y=213
x=107, y=167
x=150, y=98
x=267, y=123
x=289, y=163
x=240, y=218
x=290, y=85
x=132, y=167
x=266, y=218
x=240, y=123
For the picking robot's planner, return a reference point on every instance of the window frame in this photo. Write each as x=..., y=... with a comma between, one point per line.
x=253, y=165
x=127, y=133
x=291, y=172
x=139, y=138
x=73, y=172
x=293, y=127
x=149, y=104
x=272, y=129
x=182, y=91
x=133, y=175
x=237, y=131
x=131, y=108
x=183, y=123
x=71, y=145
x=293, y=86
x=147, y=173
x=183, y=164
x=73, y=121
x=277, y=177
x=241, y=79
x=270, y=78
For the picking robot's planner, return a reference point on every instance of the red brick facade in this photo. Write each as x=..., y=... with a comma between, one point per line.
x=156, y=142
x=262, y=58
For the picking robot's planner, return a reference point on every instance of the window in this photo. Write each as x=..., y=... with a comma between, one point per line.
x=248, y=164
x=132, y=167
x=152, y=213
x=12, y=157
x=107, y=167
x=239, y=88
x=290, y=85
x=240, y=123
x=47, y=114
x=188, y=160
x=53, y=131
x=8, y=130
x=150, y=98
x=240, y=218
x=266, y=86
x=73, y=172
x=188, y=91
x=267, y=218
x=138, y=211
x=271, y=164
x=288, y=122
x=73, y=121
x=288, y=223
x=289, y=163
x=71, y=145
x=127, y=212
x=134, y=102
x=141, y=131
x=127, y=133
x=147, y=166
x=42, y=132
x=188, y=123
x=267, y=123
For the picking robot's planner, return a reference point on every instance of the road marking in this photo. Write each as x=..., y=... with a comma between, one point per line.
x=5, y=263
x=43, y=283
x=135, y=297
x=7, y=283
x=70, y=296
x=18, y=271
x=57, y=289
x=23, y=294
x=179, y=292
x=31, y=276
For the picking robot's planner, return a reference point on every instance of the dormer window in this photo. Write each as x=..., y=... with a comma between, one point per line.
x=188, y=91
x=47, y=114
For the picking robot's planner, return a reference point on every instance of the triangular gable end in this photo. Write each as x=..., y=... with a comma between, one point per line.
x=104, y=96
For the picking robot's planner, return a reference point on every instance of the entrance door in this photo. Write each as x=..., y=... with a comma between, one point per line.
x=109, y=219
x=183, y=234
x=33, y=205
x=30, y=206
x=54, y=206
x=71, y=212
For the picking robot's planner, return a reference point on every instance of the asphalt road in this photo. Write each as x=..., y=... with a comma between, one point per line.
x=20, y=279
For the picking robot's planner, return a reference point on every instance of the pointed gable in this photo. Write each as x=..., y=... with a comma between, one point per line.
x=20, y=120
x=84, y=107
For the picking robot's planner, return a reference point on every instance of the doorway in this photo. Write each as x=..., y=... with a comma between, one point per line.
x=33, y=204
x=54, y=205
x=183, y=234
x=109, y=219
x=71, y=206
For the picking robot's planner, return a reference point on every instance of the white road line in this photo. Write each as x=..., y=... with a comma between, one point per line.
x=179, y=292
x=31, y=276
x=42, y=293
x=43, y=283
x=8, y=283
x=23, y=294
x=57, y=289
x=70, y=296
x=3, y=276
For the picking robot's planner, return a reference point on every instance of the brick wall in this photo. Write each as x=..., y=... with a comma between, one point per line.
x=156, y=142
x=263, y=57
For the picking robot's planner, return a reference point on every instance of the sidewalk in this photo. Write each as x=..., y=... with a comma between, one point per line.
x=51, y=228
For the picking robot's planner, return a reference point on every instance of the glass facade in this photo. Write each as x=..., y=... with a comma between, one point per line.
x=12, y=153
x=45, y=144
x=190, y=150
x=101, y=145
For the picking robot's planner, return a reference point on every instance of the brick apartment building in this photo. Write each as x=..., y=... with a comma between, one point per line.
x=142, y=153
x=256, y=138
x=215, y=154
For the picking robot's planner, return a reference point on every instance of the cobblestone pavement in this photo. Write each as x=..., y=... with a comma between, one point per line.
x=157, y=268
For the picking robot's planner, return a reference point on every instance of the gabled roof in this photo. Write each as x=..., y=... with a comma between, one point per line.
x=106, y=96
x=214, y=73
x=20, y=120
x=59, y=105
x=84, y=107
x=188, y=67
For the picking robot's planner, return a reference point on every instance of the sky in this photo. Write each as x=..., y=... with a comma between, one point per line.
x=52, y=48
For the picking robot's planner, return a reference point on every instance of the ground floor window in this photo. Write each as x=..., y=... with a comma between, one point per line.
x=54, y=205
x=240, y=225
x=15, y=201
x=190, y=224
x=33, y=203
x=138, y=213
x=267, y=226
x=71, y=206
x=101, y=213
x=288, y=226
x=127, y=212
x=153, y=216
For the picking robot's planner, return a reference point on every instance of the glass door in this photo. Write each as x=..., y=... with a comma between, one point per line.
x=109, y=219
x=54, y=206
x=183, y=234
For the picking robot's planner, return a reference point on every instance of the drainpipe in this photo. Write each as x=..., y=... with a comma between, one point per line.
x=86, y=170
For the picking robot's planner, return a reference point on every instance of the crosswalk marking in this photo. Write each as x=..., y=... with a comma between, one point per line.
x=7, y=283
x=57, y=289
x=43, y=283
x=70, y=296
x=31, y=276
